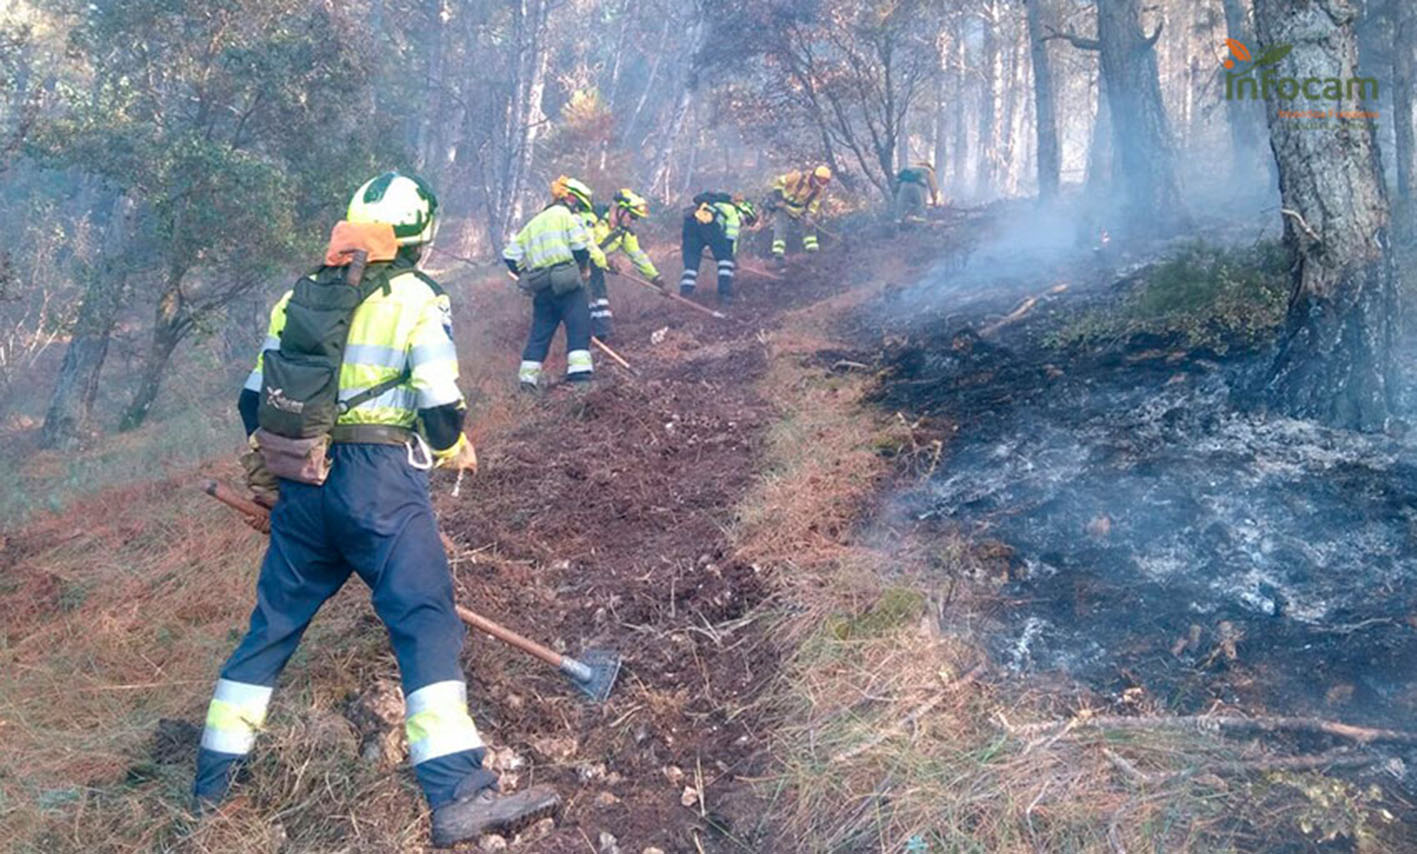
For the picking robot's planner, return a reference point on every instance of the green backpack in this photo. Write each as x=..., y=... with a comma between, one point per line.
x=299, y=401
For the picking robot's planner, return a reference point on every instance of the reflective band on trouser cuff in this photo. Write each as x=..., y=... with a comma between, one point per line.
x=237, y=711
x=437, y=722
x=529, y=372
x=600, y=308
x=810, y=243
x=689, y=279
x=779, y=247
x=578, y=362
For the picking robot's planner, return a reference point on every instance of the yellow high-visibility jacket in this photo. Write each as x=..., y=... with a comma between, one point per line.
x=609, y=239
x=796, y=195
x=409, y=326
x=548, y=239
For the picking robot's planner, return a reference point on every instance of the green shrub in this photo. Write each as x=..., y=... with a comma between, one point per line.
x=1204, y=296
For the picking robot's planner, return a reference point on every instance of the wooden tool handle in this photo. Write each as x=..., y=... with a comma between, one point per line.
x=223, y=493
x=481, y=623
x=675, y=297
x=611, y=353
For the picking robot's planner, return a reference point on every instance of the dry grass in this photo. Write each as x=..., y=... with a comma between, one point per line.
x=120, y=598
x=121, y=601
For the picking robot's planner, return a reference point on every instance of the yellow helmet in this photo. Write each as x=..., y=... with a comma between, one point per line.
x=822, y=174
x=402, y=201
x=569, y=189
x=633, y=204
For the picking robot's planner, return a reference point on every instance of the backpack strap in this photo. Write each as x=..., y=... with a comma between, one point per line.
x=375, y=390
x=614, y=235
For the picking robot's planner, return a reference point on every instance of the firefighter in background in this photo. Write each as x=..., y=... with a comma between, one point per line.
x=793, y=202
x=612, y=229
x=367, y=511
x=714, y=222
x=551, y=257
x=915, y=188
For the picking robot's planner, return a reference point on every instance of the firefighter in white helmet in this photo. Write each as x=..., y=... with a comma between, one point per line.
x=353, y=398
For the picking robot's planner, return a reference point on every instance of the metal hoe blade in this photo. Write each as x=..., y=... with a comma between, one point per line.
x=594, y=673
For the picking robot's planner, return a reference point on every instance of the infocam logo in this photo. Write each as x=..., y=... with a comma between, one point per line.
x=1259, y=81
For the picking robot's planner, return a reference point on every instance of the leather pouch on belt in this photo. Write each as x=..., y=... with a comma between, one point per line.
x=300, y=460
x=264, y=486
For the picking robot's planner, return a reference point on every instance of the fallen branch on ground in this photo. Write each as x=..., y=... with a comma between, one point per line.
x=1221, y=725
x=1024, y=307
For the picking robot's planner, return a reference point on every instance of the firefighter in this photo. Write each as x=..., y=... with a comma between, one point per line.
x=551, y=258
x=915, y=187
x=612, y=229
x=793, y=202
x=359, y=504
x=714, y=222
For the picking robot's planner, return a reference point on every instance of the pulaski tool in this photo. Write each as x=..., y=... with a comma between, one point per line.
x=593, y=674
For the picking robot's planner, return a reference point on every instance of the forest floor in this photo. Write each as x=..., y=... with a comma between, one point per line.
x=791, y=679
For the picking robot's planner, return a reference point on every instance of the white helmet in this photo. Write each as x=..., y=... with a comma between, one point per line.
x=402, y=201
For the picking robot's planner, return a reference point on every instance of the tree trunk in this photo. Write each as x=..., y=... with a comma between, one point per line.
x=429, y=148
x=165, y=339
x=1099, y=151
x=1243, y=116
x=992, y=93
x=1015, y=147
x=613, y=98
x=689, y=82
x=1141, y=139
x=1045, y=121
x=1335, y=359
x=961, y=121
x=939, y=153
x=1404, y=75
x=71, y=404
x=526, y=118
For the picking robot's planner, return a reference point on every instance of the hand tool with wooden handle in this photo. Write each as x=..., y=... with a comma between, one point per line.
x=604, y=348
x=593, y=674
x=675, y=297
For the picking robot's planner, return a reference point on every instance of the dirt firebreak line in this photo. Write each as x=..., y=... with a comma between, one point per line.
x=615, y=533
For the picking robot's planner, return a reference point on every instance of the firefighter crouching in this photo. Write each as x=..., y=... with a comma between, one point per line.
x=714, y=222
x=360, y=353
x=793, y=203
x=612, y=228
x=551, y=257
x=915, y=188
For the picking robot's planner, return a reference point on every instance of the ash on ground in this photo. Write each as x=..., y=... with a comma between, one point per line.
x=1158, y=536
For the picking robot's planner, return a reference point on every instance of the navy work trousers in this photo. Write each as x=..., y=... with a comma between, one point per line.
x=372, y=517
x=698, y=235
x=549, y=311
x=602, y=320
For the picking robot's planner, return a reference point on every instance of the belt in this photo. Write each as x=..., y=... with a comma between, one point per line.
x=371, y=434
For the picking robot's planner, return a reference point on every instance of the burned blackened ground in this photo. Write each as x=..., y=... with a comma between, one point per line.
x=1153, y=535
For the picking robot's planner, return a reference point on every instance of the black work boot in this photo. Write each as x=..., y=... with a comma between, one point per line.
x=486, y=811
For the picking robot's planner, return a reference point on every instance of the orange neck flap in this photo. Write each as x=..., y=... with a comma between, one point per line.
x=375, y=238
